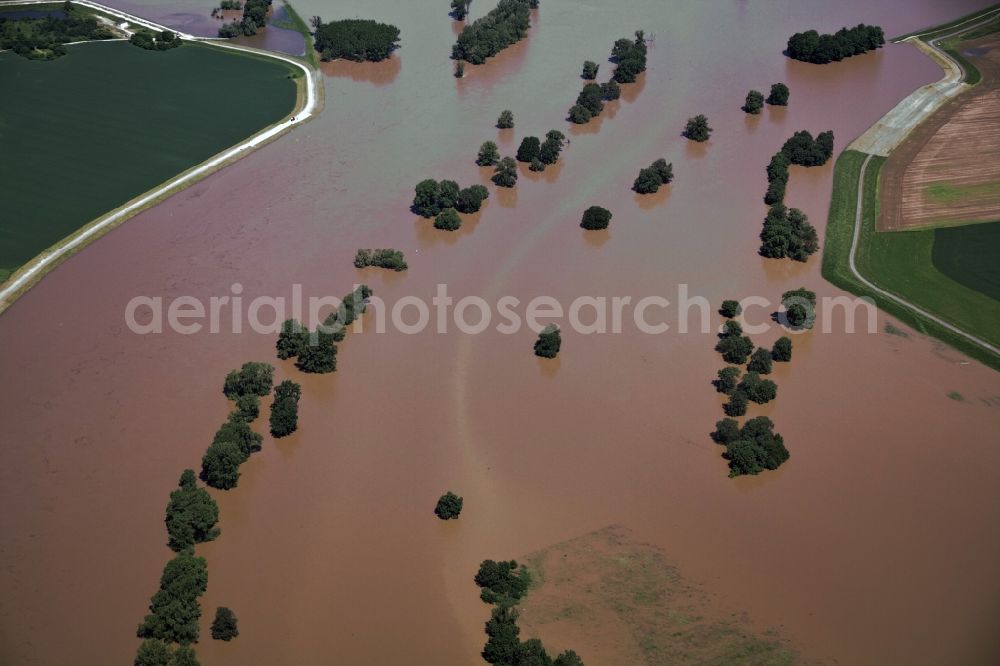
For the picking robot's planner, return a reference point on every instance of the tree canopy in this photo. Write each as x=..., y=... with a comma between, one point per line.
x=380, y=258
x=448, y=220
x=630, y=58
x=730, y=308
x=529, y=149
x=595, y=218
x=224, y=626
x=489, y=155
x=782, y=350
x=787, y=233
x=650, y=179
x=174, y=611
x=505, y=174
x=356, y=39
x=449, y=506
x=485, y=37
x=810, y=46
x=756, y=449
x=549, y=342
x=285, y=408
x=502, y=581
x=254, y=377
x=754, y=102
x=697, y=128
x=506, y=119
x=590, y=70
x=192, y=514
x=778, y=95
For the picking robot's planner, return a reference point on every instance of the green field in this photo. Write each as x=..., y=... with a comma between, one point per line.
x=901, y=262
x=86, y=133
x=970, y=255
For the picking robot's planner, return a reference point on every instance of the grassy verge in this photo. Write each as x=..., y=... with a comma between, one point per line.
x=298, y=25
x=900, y=262
x=944, y=27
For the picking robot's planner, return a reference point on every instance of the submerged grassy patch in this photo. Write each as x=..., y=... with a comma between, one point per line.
x=86, y=133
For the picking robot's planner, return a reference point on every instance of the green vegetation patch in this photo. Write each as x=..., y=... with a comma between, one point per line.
x=970, y=256
x=949, y=193
x=900, y=262
x=117, y=122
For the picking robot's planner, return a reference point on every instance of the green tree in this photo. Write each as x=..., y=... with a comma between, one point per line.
x=726, y=431
x=734, y=348
x=760, y=361
x=697, y=128
x=505, y=174
x=285, y=409
x=647, y=182
x=459, y=69
x=355, y=39
x=730, y=308
x=485, y=37
x=253, y=377
x=152, y=652
x=591, y=98
x=778, y=95
x=224, y=625
x=184, y=656
x=471, y=199
x=426, y=201
x=489, y=155
x=319, y=355
x=529, y=149
x=191, y=515
x=220, y=466
x=568, y=658
x=460, y=9
x=238, y=431
x=579, y=115
x=757, y=449
x=549, y=342
x=291, y=340
x=536, y=165
x=729, y=377
x=506, y=119
x=630, y=57
x=610, y=91
x=503, y=642
x=532, y=653
x=551, y=147
x=448, y=220
x=756, y=389
x=247, y=408
x=754, y=102
x=502, y=582
x=664, y=170
x=174, y=611
x=448, y=506
x=590, y=70
x=782, y=349
x=800, y=308
x=737, y=405
x=595, y=218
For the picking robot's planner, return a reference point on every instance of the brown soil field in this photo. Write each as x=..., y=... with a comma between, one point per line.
x=946, y=172
x=617, y=600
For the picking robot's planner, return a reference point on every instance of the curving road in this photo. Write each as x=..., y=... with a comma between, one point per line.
x=935, y=46
x=37, y=267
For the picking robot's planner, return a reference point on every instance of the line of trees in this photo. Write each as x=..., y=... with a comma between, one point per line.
x=590, y=102
x=755, y=447
x=540, y=154
x=504, y=25
x=355, y=39
x=174, y=610
x=380, y=258
x=787, y=233
x=431, y=197
x=630, y=58
x=810, y=46
x=651, y=178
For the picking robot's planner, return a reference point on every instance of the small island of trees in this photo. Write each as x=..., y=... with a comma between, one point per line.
x=505, y=174
x=810, y=46
x=380, y=258
x=506, y=119
x=432, y=197
x=630, y=58
x=697, y=129
x=649, y=179
x=549, y=342
x=787, y=233
x=224, y=626
x=485, y=37
x=595, y=218
x=449, y=506
x=285, y=408
x=752, y=448
x=754, y=102
x=800, y=308
x=356, y=39
x=778, y=95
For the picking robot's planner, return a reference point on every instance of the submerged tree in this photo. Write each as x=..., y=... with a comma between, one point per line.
x=778, y=95
x=595, y=218
x=224, y=626
x=782, y=350
x=529, y=149
x=590, y=70
x=448, y=506
x=285, y=408
x=192, y=514
x=697, y=128
x=489, y=155
x=754, y=102
x=505, y=174
x=506, y=119
x=448, y=220
x=549, y=342
x=730, y=308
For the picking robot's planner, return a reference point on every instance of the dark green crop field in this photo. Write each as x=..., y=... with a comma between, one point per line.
x=970, y=255
x=82, y=135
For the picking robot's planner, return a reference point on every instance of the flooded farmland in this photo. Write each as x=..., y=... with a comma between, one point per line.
x=877, y=542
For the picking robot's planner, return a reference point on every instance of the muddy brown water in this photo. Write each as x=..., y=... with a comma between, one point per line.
x=876, y=543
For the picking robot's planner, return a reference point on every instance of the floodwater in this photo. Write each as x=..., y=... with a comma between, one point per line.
x=876, y=543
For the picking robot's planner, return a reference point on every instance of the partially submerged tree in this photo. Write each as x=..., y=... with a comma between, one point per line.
x=489, y=155
x=506, y=119
x=697, y=128
x=285, y=408
x=224, y=626
x=595, y=218
x=549, y=342
x=192, y=514
x=505, y=174
x=754, y=102
x=449, y=506
x=590, y=70
x=448, y=220
x=778, y=95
